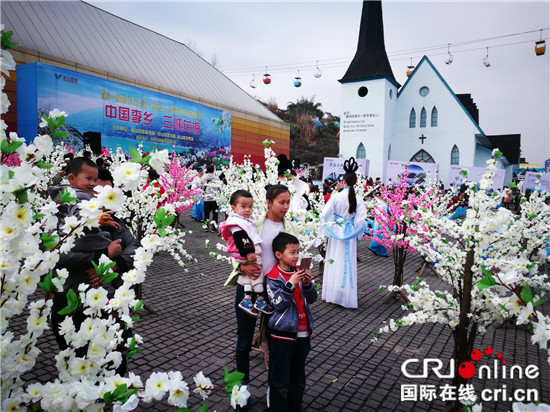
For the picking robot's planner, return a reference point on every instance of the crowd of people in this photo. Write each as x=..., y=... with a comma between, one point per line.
x=270, y=282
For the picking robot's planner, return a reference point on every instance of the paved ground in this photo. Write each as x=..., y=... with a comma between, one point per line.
x=194, y=330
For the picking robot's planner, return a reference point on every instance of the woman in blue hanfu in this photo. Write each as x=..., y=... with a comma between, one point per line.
x=375, y=247
x=344, y=216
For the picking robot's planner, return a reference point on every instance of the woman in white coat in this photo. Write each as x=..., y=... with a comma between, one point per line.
x=344, y=215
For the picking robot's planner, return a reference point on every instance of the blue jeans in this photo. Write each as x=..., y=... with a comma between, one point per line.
x=287, y=374
x=246, y=326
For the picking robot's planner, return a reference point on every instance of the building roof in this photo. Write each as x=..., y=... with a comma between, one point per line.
x=370, y=60
x=426, y=60
x=508, y=144
x=81, y=33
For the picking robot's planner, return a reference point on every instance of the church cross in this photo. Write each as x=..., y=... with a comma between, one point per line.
x=422, y=138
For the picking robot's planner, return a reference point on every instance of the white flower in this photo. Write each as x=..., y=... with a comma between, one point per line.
x=44, y=144
x=36, y=323
x=158, y=160
x=530, y=407
x=67, y=326
x=179, y=393
x=4, y=103
x=17, y=215
x=90, y=208
x=130, y=404
x=128, y=175
x=204, y=385
x=55, y=113
x=239, y=396
x=524, y=313
x=97, y=298
x=7, y=63
x=111, y=198
x=157, y=385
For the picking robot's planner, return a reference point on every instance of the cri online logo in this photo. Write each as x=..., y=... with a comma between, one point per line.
x=468, y=369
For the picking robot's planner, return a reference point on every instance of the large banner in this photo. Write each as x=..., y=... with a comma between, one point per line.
x=113, y=114
x=333, y=167
x=531, y=181
x=474, y=175
x=416, y=172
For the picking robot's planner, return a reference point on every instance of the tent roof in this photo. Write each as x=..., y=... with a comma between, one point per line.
x=81, y=33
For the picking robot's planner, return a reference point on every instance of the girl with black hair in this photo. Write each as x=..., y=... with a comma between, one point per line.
x=345, y=215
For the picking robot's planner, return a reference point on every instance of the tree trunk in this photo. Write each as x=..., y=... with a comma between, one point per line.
x=399, y=257
x=464, y=336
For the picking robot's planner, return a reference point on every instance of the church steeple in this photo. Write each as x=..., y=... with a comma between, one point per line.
x=371, y=60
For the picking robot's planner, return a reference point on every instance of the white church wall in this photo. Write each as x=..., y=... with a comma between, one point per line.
x=368, y=120
x=482, y=155
x=454, y=126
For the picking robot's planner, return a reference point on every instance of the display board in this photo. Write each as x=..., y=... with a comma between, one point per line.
x=333, y=167
x=474, y=175
x=113, y=114
x=531, y=181
x=415, y=171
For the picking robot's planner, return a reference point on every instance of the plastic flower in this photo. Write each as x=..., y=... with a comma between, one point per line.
x=158, y=160
x=129, y=405
x=157, y=385
x=179, y=390
x=239, y=396
x=111, y=198
x=44, y=144
x=204, y=385
x=97, y=298
x=127, y=175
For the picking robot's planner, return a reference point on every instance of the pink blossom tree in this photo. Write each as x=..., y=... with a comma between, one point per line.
x=177, y=185
x=397, y=223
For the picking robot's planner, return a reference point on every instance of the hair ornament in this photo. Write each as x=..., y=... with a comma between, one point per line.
x=350, y=165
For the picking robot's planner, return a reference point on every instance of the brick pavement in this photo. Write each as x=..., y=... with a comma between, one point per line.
x=194, y=329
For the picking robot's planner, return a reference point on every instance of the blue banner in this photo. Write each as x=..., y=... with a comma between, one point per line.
x=117, y=114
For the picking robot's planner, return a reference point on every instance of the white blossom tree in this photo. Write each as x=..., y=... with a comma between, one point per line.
x=30, y=248
x=492, y=262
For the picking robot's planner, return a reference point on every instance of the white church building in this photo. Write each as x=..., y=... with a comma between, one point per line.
x=422, y=121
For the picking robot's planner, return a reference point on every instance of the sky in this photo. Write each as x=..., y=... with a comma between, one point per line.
x=243, y=38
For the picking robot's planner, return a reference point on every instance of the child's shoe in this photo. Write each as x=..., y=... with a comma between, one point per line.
x=247, y=305
x=262, y=306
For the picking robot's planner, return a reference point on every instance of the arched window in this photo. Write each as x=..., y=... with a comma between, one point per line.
x=434, y=117
x=423, y=118
x=422, y=156
x=361, y=153
x=389, y=152
x=455, y=155
x=412, y=118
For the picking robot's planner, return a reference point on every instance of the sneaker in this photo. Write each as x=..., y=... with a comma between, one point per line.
x=262, y=306
x=247, y=305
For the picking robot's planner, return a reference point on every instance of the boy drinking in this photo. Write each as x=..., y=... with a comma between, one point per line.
x=290, y=292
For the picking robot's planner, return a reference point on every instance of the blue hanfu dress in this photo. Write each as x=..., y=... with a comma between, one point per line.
x=340, y=273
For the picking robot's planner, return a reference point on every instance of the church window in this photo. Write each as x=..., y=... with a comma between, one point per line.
x=389, y=152
x=363, y=91
x=424, y=91
x=361, y=153
x=391, y=93
x=434, y=117
x=422, y=156
x=455, y=155
x=423, y=118
x=412, y=118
